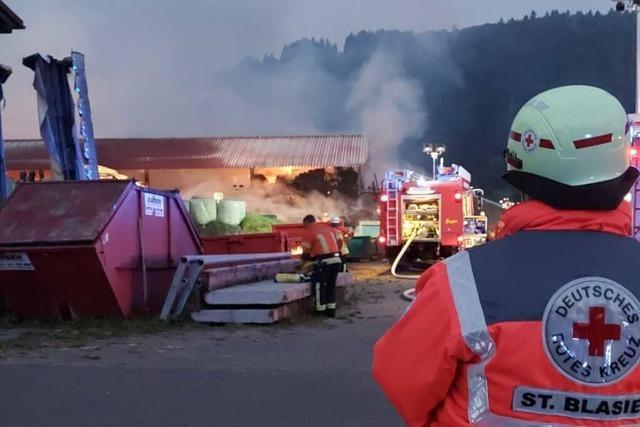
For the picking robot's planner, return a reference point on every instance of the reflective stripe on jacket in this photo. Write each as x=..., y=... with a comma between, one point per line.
x=471, y=348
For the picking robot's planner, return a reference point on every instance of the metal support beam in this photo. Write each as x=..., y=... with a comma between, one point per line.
x=4, y=184
x=5, y=72
x=87, y=155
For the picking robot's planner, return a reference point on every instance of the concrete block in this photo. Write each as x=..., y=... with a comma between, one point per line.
x=344, y=279
x=254, y=316
x=266, y=292
x=222, y=277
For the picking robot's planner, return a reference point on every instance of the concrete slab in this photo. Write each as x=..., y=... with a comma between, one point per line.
x=265, y=292
x=223, y=277
x=262, y=316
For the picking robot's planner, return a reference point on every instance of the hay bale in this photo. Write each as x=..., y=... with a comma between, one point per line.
x=203, y=211
x=232, y=212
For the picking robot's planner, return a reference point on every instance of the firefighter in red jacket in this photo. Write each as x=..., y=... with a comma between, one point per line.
x=343, y=235
x=320, y=245
x=540, y=327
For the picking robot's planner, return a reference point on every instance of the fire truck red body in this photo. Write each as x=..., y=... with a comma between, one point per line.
x=635, y=161
x=433, y=219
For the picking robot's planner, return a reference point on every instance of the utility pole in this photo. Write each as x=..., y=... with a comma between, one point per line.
x=9, y=21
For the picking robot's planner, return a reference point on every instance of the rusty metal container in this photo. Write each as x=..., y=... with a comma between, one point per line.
x=80, y=249
x=295, y=233
x=256, y=243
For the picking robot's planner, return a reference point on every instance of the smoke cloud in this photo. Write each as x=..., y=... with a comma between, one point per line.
x=289, y=205
x=151, y=63
x=278, y=199
x=390, y=110
x=159, y=69
x=304, y=93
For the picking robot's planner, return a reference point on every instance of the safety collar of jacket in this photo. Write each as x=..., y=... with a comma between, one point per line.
x=535, y=215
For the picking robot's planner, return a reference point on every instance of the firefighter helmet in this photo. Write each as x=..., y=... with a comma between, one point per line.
x=569, y=147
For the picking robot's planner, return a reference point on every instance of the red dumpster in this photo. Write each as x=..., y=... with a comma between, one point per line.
x=245, y=244
x=295, y=233
x=91, y=248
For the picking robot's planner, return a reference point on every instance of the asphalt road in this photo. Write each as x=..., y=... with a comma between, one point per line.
x=314, y=373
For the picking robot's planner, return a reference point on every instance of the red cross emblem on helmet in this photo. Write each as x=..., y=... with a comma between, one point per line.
x=530, y=140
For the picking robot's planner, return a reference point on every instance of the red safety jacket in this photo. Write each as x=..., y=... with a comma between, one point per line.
x=538, y=328
x=320, y=240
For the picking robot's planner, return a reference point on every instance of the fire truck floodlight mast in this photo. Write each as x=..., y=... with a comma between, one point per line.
x=434, y=151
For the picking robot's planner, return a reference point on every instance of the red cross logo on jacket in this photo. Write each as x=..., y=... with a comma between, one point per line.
x=597, y=331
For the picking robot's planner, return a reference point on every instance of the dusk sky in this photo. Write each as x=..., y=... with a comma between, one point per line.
x=149, y=59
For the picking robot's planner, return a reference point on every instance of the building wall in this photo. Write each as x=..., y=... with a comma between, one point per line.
x=272, y=174
x=195, y=182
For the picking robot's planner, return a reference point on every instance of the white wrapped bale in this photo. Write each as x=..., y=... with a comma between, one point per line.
x=232, y=212
x=203, y=211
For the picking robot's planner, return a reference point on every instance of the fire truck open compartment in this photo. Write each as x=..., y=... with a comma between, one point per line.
x=421, y=218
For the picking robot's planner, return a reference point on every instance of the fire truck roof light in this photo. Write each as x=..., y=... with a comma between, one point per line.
x=384, y=198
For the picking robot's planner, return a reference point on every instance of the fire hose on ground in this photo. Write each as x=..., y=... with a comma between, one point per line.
x=394, y=266
x=409, y=294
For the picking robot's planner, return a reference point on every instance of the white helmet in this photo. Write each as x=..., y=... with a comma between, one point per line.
x=336, y=220
x=570, y=147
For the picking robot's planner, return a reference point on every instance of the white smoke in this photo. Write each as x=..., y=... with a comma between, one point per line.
x=389, y=106
x=290, y=206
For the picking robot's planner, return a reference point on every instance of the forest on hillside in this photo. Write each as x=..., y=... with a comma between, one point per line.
x=460, y=87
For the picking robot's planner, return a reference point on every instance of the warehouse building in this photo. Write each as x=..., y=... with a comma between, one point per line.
x=198, y=167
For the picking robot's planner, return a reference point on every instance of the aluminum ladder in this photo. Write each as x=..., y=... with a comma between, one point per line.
x=393, y=183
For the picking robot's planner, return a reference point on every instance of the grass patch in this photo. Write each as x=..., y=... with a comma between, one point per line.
x=36, y=335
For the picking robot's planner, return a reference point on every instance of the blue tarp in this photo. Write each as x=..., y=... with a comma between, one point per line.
x=56, y=111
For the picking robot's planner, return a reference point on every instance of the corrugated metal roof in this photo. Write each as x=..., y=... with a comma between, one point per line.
x=9, y=21
x=207, y=153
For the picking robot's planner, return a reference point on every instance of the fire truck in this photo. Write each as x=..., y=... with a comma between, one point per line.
x=422, y=221
x=634, y=195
